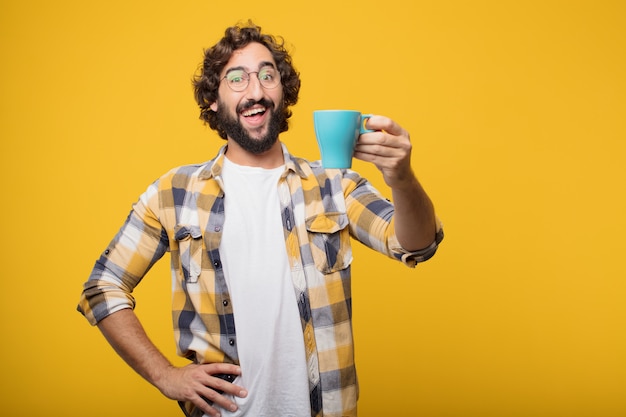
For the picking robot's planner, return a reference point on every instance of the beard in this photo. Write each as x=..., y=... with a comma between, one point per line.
x=235, y=131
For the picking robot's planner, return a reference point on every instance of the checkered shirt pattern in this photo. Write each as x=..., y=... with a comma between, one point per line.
x=183, y=213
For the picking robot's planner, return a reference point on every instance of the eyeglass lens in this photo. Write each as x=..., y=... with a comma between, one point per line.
x=238, y=79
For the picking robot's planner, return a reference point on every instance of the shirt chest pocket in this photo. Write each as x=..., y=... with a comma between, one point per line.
x=329, y=240
x=189, y=239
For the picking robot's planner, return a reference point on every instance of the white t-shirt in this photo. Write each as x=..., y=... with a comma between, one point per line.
x=269, y=333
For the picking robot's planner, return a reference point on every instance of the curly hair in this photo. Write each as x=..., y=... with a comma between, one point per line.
x=206, y=83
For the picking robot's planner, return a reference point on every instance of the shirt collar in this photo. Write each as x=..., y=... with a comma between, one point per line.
x=213, y=168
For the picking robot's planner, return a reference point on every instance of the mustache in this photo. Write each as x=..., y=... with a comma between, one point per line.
x=267, y=103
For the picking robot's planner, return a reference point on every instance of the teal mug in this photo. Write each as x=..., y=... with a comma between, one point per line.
x=337, y=132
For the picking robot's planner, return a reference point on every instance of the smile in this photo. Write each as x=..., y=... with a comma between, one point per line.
x=253, y=111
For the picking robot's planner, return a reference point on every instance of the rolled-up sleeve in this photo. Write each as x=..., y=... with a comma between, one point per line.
x=140, y=242
x=411, y=259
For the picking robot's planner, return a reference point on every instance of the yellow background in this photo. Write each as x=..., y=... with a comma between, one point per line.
x=516, y=111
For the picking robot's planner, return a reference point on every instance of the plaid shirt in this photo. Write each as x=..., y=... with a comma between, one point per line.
x=183, y=212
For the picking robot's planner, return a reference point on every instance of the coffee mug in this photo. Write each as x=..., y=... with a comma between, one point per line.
x=337, y=132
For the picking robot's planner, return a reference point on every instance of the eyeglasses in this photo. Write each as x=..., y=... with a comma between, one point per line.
x=238, y=79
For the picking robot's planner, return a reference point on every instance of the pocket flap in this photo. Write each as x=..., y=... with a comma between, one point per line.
x=183, y=232
x=327, y=222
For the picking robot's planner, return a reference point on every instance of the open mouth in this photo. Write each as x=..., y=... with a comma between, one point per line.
x=255, y=111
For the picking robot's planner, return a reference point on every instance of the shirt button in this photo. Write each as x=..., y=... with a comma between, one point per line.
x=217, y=228
x=231, y=342
x=217, y=264
x=225, y=303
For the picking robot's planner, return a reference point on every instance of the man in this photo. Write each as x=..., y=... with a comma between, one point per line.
x=260, y=249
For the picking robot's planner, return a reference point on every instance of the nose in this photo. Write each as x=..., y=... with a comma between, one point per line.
x=254, y=91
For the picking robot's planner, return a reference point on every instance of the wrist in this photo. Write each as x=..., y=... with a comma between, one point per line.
x=404, y=182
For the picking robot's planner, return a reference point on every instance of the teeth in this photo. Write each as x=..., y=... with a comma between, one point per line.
x=252, y=112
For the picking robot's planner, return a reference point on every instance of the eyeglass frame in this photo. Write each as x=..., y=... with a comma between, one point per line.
x=262, y=67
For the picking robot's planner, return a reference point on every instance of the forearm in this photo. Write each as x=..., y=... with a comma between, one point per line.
x=193, y=383
x=414, y=219
x=126, y=335
x=389, y=148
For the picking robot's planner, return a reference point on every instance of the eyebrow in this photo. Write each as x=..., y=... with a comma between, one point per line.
x=261, y=65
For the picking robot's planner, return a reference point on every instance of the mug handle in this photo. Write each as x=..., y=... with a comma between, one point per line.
x=364, y=119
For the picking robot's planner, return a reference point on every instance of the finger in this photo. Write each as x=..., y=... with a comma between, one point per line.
x=221, y=368
x=383, y=156
x=214, y=399
x=381, y=162
x=368, y=152
x=382, y=123
x=393, y=148
x=219, y=377
x=383, y=139
x=204, y=405
x=222, y=383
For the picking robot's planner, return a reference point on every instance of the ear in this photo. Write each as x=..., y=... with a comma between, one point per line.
x=213, y=106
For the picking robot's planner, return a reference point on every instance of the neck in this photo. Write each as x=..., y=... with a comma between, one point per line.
x=273, y=158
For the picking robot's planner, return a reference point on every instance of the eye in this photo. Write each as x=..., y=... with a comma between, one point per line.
x=236, y=77
x=267, y=74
